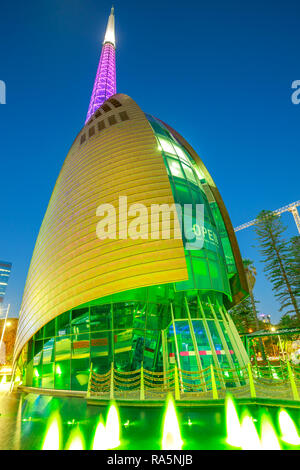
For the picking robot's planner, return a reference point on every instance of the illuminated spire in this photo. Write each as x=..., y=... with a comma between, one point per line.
x=110, y=29
x=105, y=82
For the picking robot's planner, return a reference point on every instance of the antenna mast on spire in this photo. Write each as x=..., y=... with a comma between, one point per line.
x=105, y=82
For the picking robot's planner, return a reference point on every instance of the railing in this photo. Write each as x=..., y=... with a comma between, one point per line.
x=275, y=382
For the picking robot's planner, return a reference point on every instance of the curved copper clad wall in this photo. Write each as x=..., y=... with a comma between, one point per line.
x=244, y=289
x=70, y=265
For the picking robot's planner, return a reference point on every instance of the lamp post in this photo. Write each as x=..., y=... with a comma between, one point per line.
x=4, y=326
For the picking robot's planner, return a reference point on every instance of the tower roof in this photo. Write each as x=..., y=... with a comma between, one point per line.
x=110, y=29
x=105, y=81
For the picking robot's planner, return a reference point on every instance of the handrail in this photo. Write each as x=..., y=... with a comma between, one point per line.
x=209, y=383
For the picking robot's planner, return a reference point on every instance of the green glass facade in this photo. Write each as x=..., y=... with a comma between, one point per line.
x=155, y=326
x=211, y=267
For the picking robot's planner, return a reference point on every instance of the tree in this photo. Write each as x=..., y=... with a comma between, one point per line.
x=278, y=261
x=295, y=265
x=250, y=271
x=244, y=314
x=288, y=321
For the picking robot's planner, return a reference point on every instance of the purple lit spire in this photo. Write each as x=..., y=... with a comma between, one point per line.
x=105, y=82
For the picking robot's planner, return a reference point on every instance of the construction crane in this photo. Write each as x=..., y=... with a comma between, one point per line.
x=289, y=208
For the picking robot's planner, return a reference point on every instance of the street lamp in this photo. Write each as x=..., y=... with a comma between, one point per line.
x=4, y=326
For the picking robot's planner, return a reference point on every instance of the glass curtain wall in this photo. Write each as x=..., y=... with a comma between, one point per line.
x=212, y=266
x=186, y=330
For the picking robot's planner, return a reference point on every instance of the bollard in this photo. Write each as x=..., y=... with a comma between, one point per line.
x=111, y=392
x=177, y=391
x=213, y=383
x=142, y=390
x=292, y=381
x=251, y=382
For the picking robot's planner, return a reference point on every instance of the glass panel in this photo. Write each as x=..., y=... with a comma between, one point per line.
x=38, y=353
x=175, y=168
x=171, y=346
x=63, y=324
x=157, y=316
x=189, y=173
x=181, y=154
x=229, y=344
x=194, y=308
x=48, y=364
x=29, y=366
x=202, y=344
x=185, y=346
x=166, y=145
x=189, y=284
x=39, y=334
x=37, y=364
x=201, y=273
x=101, y=351
x=80, y=346
x=183, y=193
x=180, y=311
x=138, y=342
x=139, y=320
x=80, y=364
x=123, y=350
x=152, y=349
x=49, y=329
x=207, y=311
x=80, y=320
x=223, y=361
x=100, y=317
x=62, y=362
x=123, y=315
x=200, y=174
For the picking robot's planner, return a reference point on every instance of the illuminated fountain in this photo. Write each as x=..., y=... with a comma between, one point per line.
x=76, y=441
x=232, y=423
x=245, y=436
x=112, y=428
x=269, y=440
x=171, y=434
x=106, y=437
x=248, y=427
x=288, y=429
x=53, y=434
x=100, y=437
x=249, y=436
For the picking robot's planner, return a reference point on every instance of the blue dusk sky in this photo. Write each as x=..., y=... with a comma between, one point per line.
x=219, y=72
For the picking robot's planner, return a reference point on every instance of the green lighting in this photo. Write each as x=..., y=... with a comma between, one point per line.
x=249, y=436
x=100, y=437
x=171, y=434
x=113, y=428
x=76, y=441
x=288, y=429
x=166, y=146
x=269, y=439
x=232, y=423
x=250, y=429
x=53, y=433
